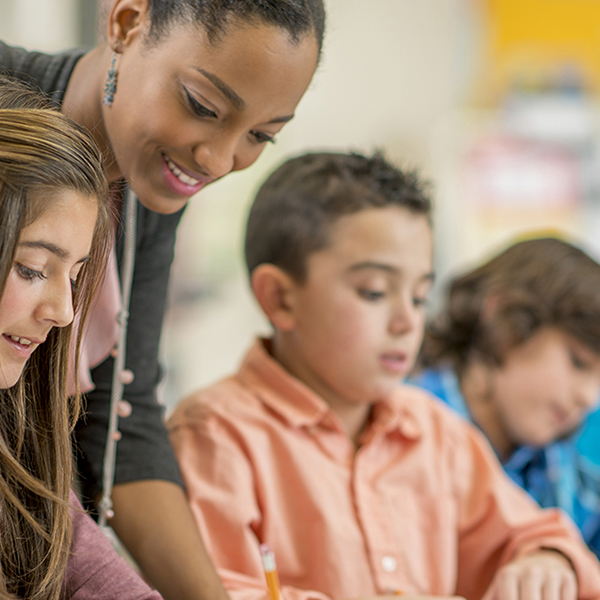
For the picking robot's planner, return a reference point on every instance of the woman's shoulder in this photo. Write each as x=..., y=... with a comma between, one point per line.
x=48, y=72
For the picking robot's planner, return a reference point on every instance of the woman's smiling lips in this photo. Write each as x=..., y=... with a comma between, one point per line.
x=180, y=180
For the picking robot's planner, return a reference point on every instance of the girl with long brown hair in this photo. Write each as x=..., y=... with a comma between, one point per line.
x=53, y=243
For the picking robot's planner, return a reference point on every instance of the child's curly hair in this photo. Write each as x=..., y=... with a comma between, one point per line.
x=499, y=305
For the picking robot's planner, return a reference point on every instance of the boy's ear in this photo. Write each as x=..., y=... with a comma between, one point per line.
x=125, y=21
x=273, y=289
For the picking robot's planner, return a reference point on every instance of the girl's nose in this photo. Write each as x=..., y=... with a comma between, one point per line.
x=56, y=306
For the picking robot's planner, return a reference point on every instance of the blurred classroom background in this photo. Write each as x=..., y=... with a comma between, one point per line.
x=494, y=101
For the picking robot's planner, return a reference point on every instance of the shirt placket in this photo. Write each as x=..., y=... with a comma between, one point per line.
x=385, y=556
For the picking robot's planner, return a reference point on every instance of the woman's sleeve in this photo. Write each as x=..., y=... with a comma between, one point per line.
x=95, y=571
x=144, y=451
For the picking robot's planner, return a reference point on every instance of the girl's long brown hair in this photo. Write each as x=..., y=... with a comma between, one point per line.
x=502, y=303
x=42, y=153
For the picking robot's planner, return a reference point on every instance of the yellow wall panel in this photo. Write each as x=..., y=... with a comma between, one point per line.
x=529, y=39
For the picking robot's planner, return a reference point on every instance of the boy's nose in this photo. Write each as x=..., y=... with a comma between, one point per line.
x=404, y=318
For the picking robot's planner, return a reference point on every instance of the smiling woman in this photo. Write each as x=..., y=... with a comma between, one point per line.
x=178, y=95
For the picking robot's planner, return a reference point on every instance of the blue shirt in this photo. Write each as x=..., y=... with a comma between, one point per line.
x=556, y=475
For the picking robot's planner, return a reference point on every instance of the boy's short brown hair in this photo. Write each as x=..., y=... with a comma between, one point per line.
x=295, y=207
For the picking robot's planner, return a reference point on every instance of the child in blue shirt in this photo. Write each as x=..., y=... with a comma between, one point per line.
x=517, y=351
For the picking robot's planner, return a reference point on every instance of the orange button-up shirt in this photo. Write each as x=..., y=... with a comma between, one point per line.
x=422, y=506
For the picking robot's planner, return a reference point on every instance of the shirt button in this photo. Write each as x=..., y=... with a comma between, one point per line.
x=389, y=564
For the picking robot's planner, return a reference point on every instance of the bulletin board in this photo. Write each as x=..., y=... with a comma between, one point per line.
x=533, y=42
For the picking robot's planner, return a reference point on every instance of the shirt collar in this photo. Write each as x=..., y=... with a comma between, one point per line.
x=280, y=390
x=395, y=415
x=301, y=407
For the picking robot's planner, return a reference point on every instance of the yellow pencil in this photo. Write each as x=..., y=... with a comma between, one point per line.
x=268, y=559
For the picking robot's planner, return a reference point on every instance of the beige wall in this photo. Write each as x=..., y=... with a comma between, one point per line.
x=391, y=70
x=49, y=25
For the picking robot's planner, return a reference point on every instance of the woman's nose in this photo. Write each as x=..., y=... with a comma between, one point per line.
x=216, y=157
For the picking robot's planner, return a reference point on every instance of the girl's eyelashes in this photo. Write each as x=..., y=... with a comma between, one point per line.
x=263, y=138
x=27, y=273
x=197, y=108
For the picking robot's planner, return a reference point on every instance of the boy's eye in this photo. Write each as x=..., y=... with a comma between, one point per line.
x=27, y=273
x=419, y=302
x=197, y=108
x=371, y=295
x=263, y=138
x=578, y=362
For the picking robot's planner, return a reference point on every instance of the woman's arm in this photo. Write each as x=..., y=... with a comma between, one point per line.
x=153, y=520
x=95, y=571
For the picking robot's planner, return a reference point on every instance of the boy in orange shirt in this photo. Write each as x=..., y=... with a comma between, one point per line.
x=361, y=486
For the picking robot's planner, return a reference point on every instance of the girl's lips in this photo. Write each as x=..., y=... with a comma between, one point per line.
x=178, y=186
x=24, y=351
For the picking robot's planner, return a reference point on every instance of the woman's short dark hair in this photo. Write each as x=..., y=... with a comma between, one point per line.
x=298, y=17
x=295, y=207
x=501, y=304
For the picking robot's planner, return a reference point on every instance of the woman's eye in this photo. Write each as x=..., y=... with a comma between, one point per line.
x=263, y=138
x=419, y=302
x=27, y=273
x=371, y=295
x=197, y=108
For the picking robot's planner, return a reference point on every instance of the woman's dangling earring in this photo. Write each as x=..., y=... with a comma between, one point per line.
x=110, y=85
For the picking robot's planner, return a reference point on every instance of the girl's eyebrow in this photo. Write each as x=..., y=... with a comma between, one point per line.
x=53, y=248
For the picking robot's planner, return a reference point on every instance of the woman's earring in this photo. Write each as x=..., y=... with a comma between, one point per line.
x=110, y=85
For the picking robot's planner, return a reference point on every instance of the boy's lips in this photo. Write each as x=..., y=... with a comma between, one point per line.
x=182, y=181
x=395, y=362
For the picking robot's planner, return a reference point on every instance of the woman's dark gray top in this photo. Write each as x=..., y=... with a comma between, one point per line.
x=144, y=451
